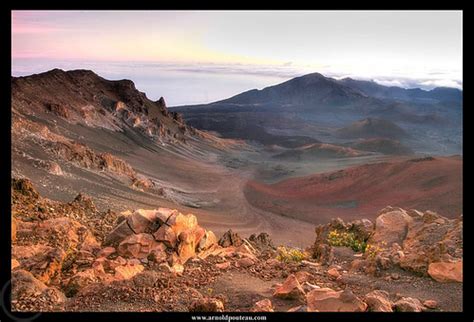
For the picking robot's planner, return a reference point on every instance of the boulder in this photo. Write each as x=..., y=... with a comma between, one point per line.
x=391, y=226
x=333, y=273
x=290, y=289
x=207, y=304
x=138, y=246
x=67, y=233
x=166, y=235
x=362, y=229
x=223, y=266
x=302, y=276
x=408, y=304
x=262, y=306
x=47, y=266
x=25, y=284
x=188, y=241
x=82, y=279
x=262, y=242
x=230, y=239
x=378, y=301
x=146, y=221
x=430, y=304
x=179, y=222
x=245, y=262
x=128, y=271
x=119, y=233
x=207, y=241
x=446, y=271
x=328, y=300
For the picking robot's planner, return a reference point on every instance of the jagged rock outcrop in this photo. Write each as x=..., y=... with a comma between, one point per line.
x=409, y=239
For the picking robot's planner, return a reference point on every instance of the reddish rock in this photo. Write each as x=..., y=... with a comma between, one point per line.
x=262, y=306
x=207, y=241
x=46, y=267
x=13, y=229
x=138, y=246
x=145, y=221
x=15, y=264
x=290, y=289
x=106, y=252
x=446, y=272
x=333, y=273
x=25, y=284
x=328, y=300
x=188, y=241
x=180, y=222
x=223, y=266
x=128, y=271
x=245, y=262
x=408, y=304
x=230, y=239
x=430, y=304
x=119, y=233
x=207, y=305
x=302, y=276
x=378, y=301
x=391, y=226
x=166, y=235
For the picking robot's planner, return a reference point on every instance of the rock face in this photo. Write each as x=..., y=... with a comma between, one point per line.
x=446, y=271
x=328, y=300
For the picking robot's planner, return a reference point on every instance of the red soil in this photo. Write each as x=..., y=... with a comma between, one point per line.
x=361, y=191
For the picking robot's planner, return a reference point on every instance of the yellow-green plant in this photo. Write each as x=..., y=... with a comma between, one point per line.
x=346, y=239
x=290, y=254
x=373, y=250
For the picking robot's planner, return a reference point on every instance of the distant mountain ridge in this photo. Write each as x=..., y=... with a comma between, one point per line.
x=314, y=107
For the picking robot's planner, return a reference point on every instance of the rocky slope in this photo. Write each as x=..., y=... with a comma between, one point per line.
x=74, y=257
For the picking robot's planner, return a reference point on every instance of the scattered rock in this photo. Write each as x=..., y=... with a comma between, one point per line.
x=446, y=272
x=328, y=300
x=408, y=304
x=262, y=306
x=430, y=304
x=207, y=305
x=333, y=273
x=290, y=289
x=378, y=301
x=245, y=262
x=223, y=266
x=302, y=276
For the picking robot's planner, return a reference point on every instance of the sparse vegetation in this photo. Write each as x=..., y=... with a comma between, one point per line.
x=286, y=254
x=346, y=239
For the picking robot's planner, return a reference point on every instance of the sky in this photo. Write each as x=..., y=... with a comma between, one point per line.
x=201, y=56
